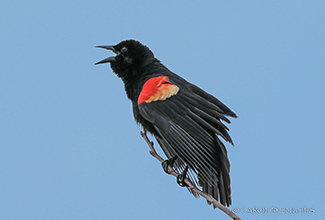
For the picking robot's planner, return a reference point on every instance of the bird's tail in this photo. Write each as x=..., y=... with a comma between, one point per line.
x=219, y=189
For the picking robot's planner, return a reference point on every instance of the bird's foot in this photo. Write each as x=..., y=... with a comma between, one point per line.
x=181, y=177
x=169, y=162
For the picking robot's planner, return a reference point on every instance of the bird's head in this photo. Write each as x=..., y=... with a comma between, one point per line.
x=131, y=56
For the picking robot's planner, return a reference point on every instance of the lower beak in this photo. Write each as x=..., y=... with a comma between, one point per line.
x=106, y=60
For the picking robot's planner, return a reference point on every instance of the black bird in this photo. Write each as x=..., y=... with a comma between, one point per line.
x=185, y=120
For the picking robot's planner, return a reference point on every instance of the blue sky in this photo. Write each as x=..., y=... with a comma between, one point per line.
x=70, y=148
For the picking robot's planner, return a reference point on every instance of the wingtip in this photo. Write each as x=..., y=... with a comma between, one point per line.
x=232, y=114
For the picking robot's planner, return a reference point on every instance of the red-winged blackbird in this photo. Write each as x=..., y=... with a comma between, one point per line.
x=185, y=120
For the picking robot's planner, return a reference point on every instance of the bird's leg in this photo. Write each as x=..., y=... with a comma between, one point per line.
x=181, y=177
x=169, y=162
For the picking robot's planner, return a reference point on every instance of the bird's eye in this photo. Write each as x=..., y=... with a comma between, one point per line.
x=124, y=49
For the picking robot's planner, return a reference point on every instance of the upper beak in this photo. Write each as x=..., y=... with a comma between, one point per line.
x=108, y=59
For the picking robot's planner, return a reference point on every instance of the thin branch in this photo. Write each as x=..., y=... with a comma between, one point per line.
x=194, y=189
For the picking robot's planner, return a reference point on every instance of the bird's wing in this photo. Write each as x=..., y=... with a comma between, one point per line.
x=188, y=121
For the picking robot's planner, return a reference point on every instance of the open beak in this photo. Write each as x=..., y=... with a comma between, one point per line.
x=108, y=59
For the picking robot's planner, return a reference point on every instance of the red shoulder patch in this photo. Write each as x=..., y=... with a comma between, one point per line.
x=157, y=88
